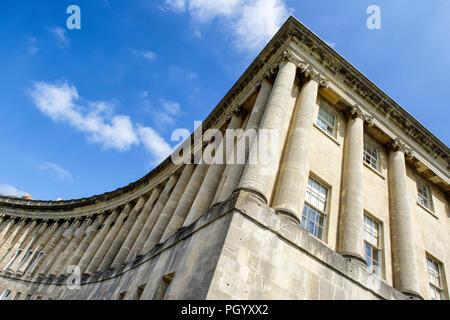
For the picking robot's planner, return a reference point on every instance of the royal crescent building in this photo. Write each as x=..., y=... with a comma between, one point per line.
x=353, y=203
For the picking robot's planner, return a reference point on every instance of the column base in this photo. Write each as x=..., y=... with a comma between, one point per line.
x=288, y=214
x=354, y=257
x=413, y=295
x=254, y=192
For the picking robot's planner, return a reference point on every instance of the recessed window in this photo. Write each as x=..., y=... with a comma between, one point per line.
x=326, y=120
x=139, y=292
x=35, y=261
x=25, y=259
x=315, y=208
x=371, y=154
x=435, y=279
x=5, y=294
x=163, y=286
x=122, y=295
x=424, y=194
x=372, y=245
x=18, y=252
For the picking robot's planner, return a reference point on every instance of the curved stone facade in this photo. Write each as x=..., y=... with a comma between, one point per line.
x=235, y=231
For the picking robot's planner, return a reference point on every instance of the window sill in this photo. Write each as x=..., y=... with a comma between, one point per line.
x=374, y=171
x=327, y=134
x=427, y=210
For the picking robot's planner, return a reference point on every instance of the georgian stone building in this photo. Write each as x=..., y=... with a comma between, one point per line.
x=352, y=205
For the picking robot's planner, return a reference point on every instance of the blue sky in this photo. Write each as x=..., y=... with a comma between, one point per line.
x=87, y=111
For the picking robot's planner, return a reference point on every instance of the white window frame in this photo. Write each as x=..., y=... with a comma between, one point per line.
x=25, y=258
x=438, y=274
x=325, y=122
x=368, y=157
x=429, y=199
x=18, y=252
x=5, y=294
x=378, y=248
x=33, y=264
x=322, y=213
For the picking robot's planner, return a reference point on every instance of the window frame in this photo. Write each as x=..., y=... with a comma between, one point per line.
x=440, y=277
x=322, y=213
x=429, y=204
x=14, y=257
x=378, y=247
x=5, y=294
x=368, y=141
x=327, y=108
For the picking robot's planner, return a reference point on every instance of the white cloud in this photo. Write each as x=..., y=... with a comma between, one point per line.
x=176, y=5
x=154, y=144
x=147, y=54
x=32, y=46
x=8, y=190
x=252, y=22
x=172, y=108
x=60, y=172
x=60, y=35
x=60, y=102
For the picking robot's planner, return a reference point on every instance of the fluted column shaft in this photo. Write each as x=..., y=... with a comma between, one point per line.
x=66, y=236
x=206, y=193
x=87, y=244
x=14, y=242
x=21, y=243
x=186, y=201
x=233, y=172
x=106, y=244
x=259, y=177
x=48, y=250
x=138, y=225
x=294, y=170
x=11, y=236
x=42, y=244
x=94, y=251
x=352, y=206
x=406, y=277
x=139, y=247
x=31, y=246
x=74, y=239
x=116, y=255
x=170, y=207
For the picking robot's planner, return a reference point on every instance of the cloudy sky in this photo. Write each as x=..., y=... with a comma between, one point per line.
x=87, y=111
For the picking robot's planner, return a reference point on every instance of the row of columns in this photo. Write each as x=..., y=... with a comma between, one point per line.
x=136, y=228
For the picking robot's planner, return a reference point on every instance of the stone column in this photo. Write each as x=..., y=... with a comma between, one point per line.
x=60, y=264
x=258, y=178
x=89, y=237
x=48, y=250
x=352, y=207
x=10, y=237
x=22, y=243
x=66, y=237
x=138, y=225
x=94, y=251
x=186, y=201
x=170, y=207
x=142, y=238
x=12, y=244
x=34, y=245
x=117, y=253
x=406, y=277
x=103, y=252
x=294, y=172
x=233, y=172
x=206, y=193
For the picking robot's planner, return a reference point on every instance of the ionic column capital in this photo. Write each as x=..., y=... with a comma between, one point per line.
x=313, y=74
x=399, y=145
